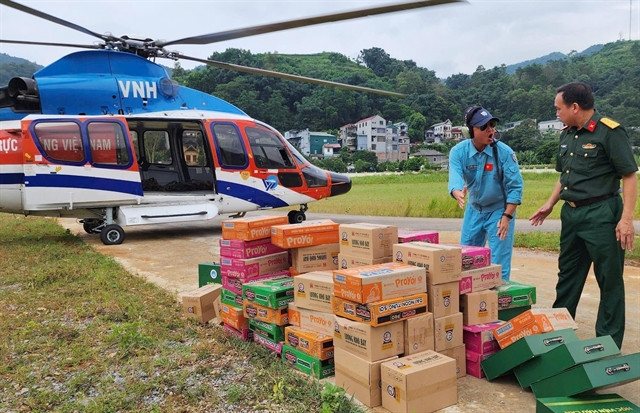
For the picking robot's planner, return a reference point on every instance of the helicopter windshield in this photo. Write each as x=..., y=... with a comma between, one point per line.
x=268, y=150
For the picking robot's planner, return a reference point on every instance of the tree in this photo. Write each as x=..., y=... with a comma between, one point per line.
x=416, y=123
x=413, y=164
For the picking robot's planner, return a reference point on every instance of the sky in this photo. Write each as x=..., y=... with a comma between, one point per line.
x=448, y=39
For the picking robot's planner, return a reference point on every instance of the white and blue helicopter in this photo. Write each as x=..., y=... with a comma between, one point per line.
x=105, y=136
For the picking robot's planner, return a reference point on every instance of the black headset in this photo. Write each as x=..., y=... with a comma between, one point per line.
x=468, y=115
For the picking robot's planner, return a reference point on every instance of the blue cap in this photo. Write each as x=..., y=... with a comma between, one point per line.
x=481, y=117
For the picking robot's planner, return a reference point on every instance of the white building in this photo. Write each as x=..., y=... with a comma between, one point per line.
x=555, y=125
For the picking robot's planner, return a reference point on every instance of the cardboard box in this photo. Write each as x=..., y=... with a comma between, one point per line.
x=199, y=303
x=423, y=382
x=231, y=298
x=382, y=312
x=314, y=291
x=313, y=320
x=479, y=307
x=307, y=364
x=235, y=248
x=443, y=299
x=418, y=334
x=563, y=357
x=234, y=317
x=273, y=293
x=273, y=332
x=322, y=257
x=251, y=228
x=209, y=273
x=590, y=376
x=253, y=311
x=371, y=283
x=350, y=261
x=475, y=257
x=235, y=284
x=512, y=294
x=408, y=235
x=368, y=240
x=370, y=343
x=359, y=378
x=245, y=334
x=479, y=338
x=443, y=263
x=479, y=279
x=458, y=354
x=507, y=359
x=309, y=342
x=274, y=346
x=594, y=403
x=305, y=234
x=473, y=362
x=250, y=268
x=447, y=331
x=531, y=322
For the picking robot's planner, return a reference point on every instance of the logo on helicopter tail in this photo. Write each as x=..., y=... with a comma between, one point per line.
x=270, y=183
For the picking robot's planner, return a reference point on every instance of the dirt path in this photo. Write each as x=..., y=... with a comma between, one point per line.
x=168, y=256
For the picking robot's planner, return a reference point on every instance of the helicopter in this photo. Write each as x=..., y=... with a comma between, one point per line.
x=106, y=136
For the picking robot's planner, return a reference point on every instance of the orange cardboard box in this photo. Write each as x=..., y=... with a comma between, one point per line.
x=251, y=228
x=530, y=322
x=233, y=316
x=305, y=234
x=382, y=312
x=277, y=316
x=371, y=283
x=309, y=342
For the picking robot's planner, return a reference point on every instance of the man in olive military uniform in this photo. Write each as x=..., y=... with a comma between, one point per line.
x=597, y=225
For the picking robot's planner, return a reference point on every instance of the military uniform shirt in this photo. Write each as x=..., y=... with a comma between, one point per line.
x=593, y=159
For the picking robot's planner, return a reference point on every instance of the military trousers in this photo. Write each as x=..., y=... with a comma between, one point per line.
x=588, y=236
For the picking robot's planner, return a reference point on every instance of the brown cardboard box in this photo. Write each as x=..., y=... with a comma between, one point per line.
x=479, y=307
x=382, y=312
x=200, y=303
x=442, y=262
x=368, y=240
x=418, y=334
x=313, y=320
x=350, y=261
x=314, y=291
x=323, y=257
x=371, y=283
x=448, y=331
x=423, y=382
x=457, y=353
x=370, y=343
x=359, y=377
x=443, y=299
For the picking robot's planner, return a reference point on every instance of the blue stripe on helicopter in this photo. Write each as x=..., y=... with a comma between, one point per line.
x=12, y=178
x=250, y=194
x=85, y=182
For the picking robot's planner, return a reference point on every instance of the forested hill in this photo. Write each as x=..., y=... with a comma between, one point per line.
x=528, y=93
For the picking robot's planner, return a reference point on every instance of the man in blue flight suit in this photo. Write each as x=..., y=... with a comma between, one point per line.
x=597, y=224
x=488, y=171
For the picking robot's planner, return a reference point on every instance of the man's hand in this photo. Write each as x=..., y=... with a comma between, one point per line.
x=459, y=196
x=538, y=217
x=625, y=233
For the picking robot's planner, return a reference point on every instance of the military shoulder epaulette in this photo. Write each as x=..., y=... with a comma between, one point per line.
x=612, y=124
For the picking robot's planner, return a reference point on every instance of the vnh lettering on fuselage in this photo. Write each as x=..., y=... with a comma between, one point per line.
x=141, y=89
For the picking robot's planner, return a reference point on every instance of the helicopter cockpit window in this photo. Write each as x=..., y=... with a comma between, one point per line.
x=268, y=149
x=157, y=148
x=107, y=143
x=60, y=141
x=230, y=147
x=193, y=148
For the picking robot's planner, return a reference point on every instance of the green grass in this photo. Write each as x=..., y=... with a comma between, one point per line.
x=79, y=333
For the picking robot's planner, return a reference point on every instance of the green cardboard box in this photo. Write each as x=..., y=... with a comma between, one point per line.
x=508, y=313
x=512, y=294
x=231, y=298
x=209, y=273
x=564, y=357
x=271, y=331
x=273, y=293
x=524, y=349
x=585, y=404
x=308, y=364
x=589, y=376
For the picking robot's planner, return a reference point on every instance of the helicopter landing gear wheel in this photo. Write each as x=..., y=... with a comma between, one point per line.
x=296, y=217
x=112, y=234
x=91, y=226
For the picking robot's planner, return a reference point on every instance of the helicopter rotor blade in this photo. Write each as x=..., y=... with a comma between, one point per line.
x=308, y=21
x=79, y=46
x=271, y=73
x=52, y=19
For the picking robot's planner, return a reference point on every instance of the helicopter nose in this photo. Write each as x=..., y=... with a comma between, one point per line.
x=340, y=184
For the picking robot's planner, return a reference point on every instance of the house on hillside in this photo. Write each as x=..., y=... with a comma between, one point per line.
x=389, y=141
x=434, y=157
x=555, y=125
x=311, y=143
